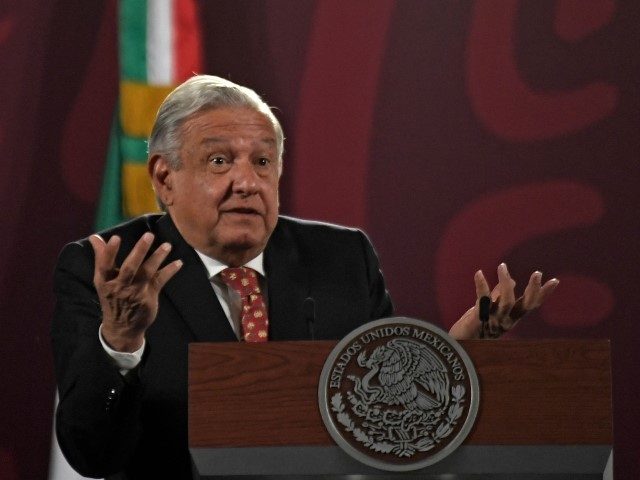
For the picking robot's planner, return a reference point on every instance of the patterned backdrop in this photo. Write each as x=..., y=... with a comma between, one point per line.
x=458, y=134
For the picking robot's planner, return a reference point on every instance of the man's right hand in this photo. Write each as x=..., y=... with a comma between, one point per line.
x=129, y=294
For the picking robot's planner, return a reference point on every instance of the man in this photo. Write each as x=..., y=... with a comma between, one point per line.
x=130, y=300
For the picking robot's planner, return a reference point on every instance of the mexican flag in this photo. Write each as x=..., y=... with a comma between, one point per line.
x=159, y=47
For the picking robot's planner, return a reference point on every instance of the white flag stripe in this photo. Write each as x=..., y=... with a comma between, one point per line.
x=59, y=468
x=160, y=65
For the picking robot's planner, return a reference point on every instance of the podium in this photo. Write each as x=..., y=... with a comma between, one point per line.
x=545, y=413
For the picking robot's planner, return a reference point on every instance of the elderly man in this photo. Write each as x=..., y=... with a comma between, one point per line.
x=219, y=265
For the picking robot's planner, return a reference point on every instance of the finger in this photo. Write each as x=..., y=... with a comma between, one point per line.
x=131, y=264
x=150, y=267
x=105, y=254
x=534, y=296
x=547, y=289
x=482, y=287
x=500, y=322
x=532, y=292
x=506, y=286
x=98, y=245
x=529, y=300
x=495, y=302
x=165, y=274
x=536, y=293
x=113, y=245
x=495, y=294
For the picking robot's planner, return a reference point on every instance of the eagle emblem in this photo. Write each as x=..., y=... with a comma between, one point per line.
x=397, y=396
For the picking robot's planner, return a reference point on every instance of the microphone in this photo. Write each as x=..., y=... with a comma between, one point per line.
x=484, y=312
x=309, y=313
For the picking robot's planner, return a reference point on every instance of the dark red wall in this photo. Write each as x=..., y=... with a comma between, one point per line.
x=458, y=134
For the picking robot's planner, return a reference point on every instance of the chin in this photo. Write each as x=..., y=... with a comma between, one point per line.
x=246, y=241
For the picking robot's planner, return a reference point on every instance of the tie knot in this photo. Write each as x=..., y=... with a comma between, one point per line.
x=242, y=279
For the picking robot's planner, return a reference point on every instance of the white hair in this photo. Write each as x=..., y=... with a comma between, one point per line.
x=200, y=93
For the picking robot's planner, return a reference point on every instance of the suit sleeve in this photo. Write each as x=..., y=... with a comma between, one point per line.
x=98, y=415
x=379, y=299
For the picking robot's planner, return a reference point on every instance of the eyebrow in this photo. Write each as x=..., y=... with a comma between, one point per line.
x=208, y=140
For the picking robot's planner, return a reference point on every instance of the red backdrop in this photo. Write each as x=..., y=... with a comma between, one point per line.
x=458, y=134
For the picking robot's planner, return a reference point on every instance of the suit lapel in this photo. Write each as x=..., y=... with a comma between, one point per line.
x=191, y=293
x=190, y=290
x=288, y=287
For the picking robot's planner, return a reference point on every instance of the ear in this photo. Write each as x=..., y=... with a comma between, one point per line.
x=161, y=175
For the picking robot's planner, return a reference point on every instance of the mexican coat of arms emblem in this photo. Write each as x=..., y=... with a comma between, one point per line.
x=398, y=394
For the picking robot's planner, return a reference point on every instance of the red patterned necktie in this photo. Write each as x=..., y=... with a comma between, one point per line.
x=255, y=323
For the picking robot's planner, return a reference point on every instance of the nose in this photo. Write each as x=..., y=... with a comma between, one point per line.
x=245, y=180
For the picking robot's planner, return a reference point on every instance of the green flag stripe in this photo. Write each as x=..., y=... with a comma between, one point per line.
x=110, y=205
x=134, y=149
x=133, y=40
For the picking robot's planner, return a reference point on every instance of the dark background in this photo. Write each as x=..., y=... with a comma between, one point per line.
x=458, y=134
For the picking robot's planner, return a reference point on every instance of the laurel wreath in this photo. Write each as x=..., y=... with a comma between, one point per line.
x=444, y=429
x=343, y=417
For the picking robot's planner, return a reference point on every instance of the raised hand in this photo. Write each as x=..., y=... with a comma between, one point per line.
x=129, y=294
x=505, y=309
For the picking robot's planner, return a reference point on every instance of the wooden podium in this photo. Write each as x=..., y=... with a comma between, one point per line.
x=545, y=412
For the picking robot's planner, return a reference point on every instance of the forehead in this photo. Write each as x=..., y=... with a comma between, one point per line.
x=229, y=122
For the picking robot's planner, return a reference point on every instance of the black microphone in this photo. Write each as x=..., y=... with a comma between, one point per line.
x=309, y=313
x=484, y=312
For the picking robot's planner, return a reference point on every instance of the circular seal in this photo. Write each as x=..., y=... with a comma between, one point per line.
x=398, y=394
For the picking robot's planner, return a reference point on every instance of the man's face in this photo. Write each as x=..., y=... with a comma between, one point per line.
x=224, y=196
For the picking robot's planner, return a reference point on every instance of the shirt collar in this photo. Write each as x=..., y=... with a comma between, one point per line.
x=214, y=267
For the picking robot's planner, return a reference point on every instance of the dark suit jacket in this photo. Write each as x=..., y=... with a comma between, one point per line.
x=137, y=424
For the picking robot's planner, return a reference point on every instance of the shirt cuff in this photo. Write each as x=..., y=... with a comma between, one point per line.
x=125, y=361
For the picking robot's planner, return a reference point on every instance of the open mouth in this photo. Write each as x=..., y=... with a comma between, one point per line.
x=243, y=211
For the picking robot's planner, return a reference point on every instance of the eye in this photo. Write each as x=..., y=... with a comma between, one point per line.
x=263, y=162
x=219, y=163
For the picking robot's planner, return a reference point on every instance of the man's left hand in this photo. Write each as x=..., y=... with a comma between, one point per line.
x=505, y=310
